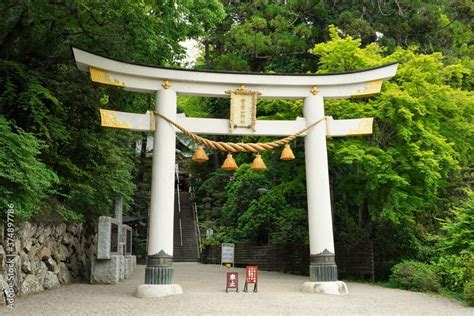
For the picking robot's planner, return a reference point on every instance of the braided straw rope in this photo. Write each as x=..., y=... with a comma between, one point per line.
x=240, y=147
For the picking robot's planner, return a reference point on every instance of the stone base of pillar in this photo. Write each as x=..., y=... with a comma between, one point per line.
x=332, y=288
x=159, y=269
x=159, y=275
x=323, y=267
x=323, y=273
x=157, y=290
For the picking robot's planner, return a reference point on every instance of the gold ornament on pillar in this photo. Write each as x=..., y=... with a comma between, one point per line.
x=166, y=85
x=229, y=164
x=258, y=164
x=314, y=90
x=287, y=153
x=200, y=155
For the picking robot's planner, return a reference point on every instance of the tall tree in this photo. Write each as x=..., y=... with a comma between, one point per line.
x=43, y=93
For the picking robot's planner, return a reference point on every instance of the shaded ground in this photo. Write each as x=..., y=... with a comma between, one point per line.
x=204, y=293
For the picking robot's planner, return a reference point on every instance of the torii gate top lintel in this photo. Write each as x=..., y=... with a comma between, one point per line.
x=141, y=78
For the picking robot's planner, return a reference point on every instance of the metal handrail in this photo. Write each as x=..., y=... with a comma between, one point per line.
x=197, y=229
x=196, y=220
x=179, y=206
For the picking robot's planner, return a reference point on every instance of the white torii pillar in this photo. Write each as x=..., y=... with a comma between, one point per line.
x=322, y=269
x=160, y=225
x=312, y=88
x=159, y=271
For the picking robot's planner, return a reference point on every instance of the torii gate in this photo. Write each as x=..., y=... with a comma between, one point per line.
x=168, y=82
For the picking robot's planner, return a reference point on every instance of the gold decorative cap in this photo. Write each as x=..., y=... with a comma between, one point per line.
x=166, y=84
x=314, y=90
x=242, y=90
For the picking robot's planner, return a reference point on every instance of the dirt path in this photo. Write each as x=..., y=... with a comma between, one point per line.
x=204, y=285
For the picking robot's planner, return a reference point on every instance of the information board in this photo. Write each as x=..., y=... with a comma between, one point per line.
x=227, y=253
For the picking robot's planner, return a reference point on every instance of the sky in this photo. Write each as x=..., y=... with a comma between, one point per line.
x=192, y=52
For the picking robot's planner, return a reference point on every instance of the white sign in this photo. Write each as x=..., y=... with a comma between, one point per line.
x=243, y=108
x=227, y=253
x=209, y=232
x=243, y=111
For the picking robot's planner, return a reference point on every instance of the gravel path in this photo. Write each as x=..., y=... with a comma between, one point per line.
x=204, y=294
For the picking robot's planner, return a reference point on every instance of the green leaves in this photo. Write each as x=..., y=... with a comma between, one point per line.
x=261, y=36
x=402, y=174
x=342, y=54
x=43, y=93
x=458, y=229
x=25, y=179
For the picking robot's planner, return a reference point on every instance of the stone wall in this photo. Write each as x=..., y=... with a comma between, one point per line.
x=48, y=256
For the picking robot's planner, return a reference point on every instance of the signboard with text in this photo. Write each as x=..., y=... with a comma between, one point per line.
x=243, y=108
x=251, y=277
x=227, y=255
x=232, y=281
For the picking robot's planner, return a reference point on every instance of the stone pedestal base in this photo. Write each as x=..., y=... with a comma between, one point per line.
x=106, y=271
x=323, y=267
x=159, y=275
x=159, y=269
x=129, y=266
x=333, y=288
x=157, y=290
x=323, y=272
x=122, y=263
x=134, y=262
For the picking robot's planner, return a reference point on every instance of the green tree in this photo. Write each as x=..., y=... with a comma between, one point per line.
x=400, y=176
x=43, y=93
x=458, y=230
x=25, y=179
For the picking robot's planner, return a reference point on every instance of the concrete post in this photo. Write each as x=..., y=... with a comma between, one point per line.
x=323, y=266
x=118, y=211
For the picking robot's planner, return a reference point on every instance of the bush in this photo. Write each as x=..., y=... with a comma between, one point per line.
x=415, y=276
x=25, y=180
x=455, y=271
x=469, y=293
x=458, y=235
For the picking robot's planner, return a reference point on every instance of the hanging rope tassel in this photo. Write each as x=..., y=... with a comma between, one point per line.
x=229, y=164
x=200, y=155
x=287, y=153
x=258, y=164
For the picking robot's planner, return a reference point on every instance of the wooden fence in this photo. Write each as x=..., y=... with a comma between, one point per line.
x=356, y=261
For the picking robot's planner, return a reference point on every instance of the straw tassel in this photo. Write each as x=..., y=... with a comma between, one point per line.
x=229, y=164
x=258, y=164
x=200, y=155
x=287, y=153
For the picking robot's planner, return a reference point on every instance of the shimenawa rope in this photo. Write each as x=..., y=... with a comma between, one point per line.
x=238, y=147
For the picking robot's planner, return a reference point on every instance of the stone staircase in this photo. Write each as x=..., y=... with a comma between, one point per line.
x=188, y=251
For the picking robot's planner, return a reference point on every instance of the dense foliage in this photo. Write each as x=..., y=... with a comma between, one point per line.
x=391, y=188
x=25, y=179
x=56, y=159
